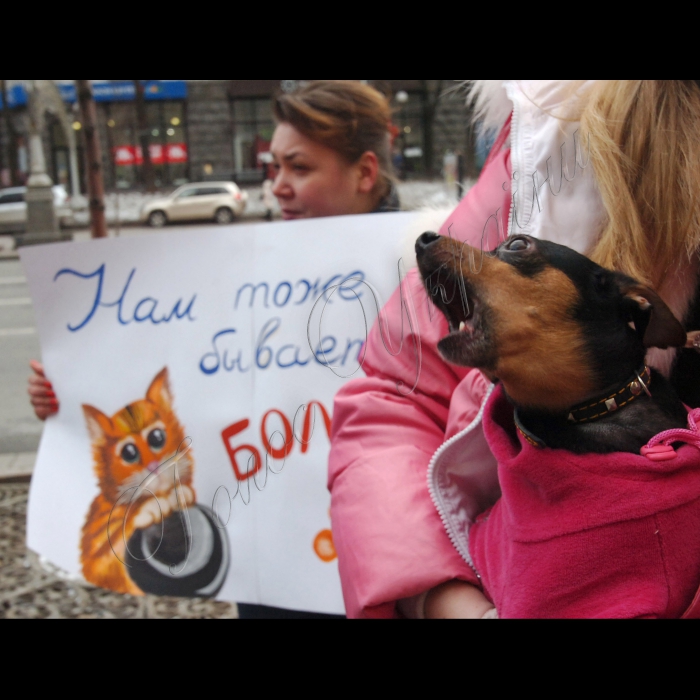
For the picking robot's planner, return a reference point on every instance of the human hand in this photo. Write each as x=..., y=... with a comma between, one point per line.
x=457, y=600
x=41, y=393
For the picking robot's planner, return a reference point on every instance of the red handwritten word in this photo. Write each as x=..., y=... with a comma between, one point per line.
x=254, y=463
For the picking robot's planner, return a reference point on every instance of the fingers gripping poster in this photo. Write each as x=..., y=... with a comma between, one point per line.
x=196, y=374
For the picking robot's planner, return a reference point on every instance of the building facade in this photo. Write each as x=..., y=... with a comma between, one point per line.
x=221, y=129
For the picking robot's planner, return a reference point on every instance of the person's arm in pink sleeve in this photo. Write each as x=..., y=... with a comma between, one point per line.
x=390, y=540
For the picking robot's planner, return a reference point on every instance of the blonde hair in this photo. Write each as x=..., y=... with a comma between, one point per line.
x=645, y=150
x=345, y=115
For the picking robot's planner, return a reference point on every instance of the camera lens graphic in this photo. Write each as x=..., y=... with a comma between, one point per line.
x=187, y=556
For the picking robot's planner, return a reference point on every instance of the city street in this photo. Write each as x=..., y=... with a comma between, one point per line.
x=19, y=428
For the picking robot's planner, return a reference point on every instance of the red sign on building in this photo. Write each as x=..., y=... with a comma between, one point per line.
x=133, y=155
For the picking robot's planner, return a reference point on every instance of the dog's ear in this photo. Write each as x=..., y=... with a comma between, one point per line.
x=654, y=321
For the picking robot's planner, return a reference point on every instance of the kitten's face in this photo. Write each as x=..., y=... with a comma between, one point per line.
x=135, y=447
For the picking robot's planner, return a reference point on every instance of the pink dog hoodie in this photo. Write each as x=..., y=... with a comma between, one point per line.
x=587, y=536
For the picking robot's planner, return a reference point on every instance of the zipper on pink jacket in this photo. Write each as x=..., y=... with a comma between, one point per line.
x=459, y=540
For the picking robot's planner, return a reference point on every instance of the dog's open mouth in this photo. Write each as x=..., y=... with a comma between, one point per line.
x=468, y=342
x=459, y=304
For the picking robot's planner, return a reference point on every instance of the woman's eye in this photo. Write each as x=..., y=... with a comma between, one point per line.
x=517, y=245
x=131, y=454
x=156, y=439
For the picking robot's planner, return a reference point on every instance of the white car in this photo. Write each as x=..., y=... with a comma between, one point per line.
x=13, y=208
x=206, y=201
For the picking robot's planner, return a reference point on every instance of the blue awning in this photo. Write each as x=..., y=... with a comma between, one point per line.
x=121, y=91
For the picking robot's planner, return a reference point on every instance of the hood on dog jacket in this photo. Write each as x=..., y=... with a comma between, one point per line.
x=587, y=536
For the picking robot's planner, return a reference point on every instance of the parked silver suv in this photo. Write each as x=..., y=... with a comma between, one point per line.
x=206, y=201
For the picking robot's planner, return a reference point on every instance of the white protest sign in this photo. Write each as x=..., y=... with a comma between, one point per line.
x=202, y=335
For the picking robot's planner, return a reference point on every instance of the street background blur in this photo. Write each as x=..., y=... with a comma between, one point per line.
x=154, y=137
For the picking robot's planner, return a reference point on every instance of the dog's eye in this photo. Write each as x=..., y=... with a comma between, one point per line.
x=517, y=245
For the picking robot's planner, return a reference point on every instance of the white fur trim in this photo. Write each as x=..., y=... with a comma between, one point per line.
x=427, y=219
x=491, y=103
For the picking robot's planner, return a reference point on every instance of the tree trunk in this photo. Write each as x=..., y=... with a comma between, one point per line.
x=147, y=172
x=430, y=105
x=93, y=159
x=8, y=157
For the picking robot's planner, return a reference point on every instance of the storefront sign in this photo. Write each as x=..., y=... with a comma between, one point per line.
x=197, y=373
x=118, y=91
x=133, y=155
x=16, y=97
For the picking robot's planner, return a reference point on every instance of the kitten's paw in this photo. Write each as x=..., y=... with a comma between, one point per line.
x=181, y=498
x=152, y=512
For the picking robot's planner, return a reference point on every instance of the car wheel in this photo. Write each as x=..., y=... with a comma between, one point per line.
x=224, y=216
x=157, y=219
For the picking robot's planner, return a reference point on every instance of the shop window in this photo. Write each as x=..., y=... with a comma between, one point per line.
x=253, y=126
x=168, y=143
x=409, y=156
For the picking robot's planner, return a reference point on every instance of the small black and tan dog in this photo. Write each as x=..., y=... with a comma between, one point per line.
x=566, y=338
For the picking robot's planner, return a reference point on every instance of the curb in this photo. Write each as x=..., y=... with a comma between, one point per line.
x=16, y=480
x=17, y=468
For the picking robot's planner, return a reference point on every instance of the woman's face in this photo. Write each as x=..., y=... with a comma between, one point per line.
x=313, y=180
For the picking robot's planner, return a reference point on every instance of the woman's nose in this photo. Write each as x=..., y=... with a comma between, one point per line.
x=426, y=240
x=281, y=188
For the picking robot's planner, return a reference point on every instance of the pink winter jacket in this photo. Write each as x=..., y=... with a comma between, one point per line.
x=389, y=536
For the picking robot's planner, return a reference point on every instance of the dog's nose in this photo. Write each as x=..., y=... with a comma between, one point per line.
x=426, y=240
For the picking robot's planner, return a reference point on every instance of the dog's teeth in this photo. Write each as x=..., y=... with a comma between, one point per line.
x=462, y=326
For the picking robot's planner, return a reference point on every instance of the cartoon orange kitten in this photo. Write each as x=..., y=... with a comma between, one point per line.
x=144, y=473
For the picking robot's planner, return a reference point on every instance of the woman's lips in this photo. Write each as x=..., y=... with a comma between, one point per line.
x=288, y=214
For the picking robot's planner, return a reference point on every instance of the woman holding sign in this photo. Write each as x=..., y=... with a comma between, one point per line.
x=332, y=157
x=332, y=153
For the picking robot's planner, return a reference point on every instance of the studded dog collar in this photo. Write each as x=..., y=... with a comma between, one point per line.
x=595, y=410
x=633, y=389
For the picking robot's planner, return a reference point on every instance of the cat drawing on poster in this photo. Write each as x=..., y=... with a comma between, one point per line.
x=143, y=480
